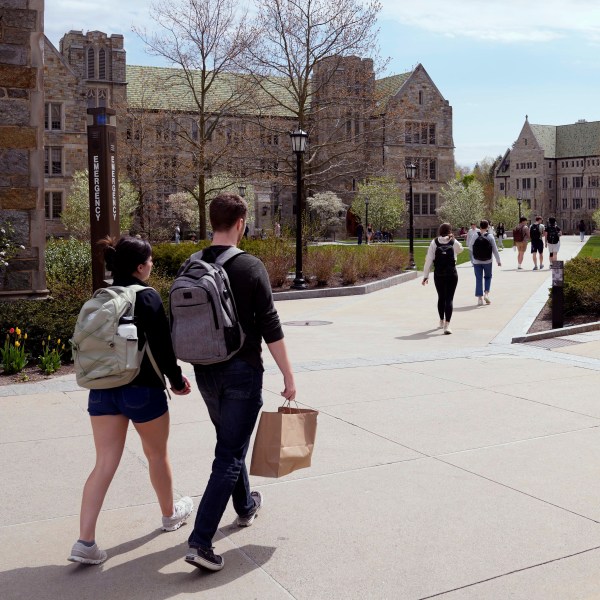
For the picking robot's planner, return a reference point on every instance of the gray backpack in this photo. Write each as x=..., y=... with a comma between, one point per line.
x=205, y=327
x=103, y=359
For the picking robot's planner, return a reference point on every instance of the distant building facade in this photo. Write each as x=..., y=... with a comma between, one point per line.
x=389, y=122
x=555, y=171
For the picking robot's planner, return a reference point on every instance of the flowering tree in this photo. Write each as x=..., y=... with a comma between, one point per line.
x=387, y=207
x=506, y=211
x=463, y=204
x=76, y=216
x=184, y=210
x=328, y=210
x=8, y=245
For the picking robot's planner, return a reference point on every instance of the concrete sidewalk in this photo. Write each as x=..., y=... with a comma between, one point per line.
x=456, y=466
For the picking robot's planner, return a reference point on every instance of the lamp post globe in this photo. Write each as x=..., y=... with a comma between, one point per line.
x=299, y=139
x=242, y=190
x=519, y=202
x=410, y=170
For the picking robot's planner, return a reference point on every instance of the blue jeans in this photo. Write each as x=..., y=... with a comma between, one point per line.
x=483, y=273
x=233, y=395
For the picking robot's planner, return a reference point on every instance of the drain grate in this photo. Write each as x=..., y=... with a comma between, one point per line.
x=307, y=323
x=552, y=343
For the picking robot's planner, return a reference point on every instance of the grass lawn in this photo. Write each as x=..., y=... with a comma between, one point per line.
x=591, y=247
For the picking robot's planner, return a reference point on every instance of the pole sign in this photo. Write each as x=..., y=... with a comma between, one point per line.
x=103, y=185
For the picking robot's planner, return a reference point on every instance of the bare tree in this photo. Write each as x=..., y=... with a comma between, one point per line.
x=204, y=39
x=305, y=61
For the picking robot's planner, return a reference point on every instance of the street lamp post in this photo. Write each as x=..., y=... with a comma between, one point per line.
x=519, y=202
x=299, y=138
x=242, y=190
x=366, y=219
x=411, y=173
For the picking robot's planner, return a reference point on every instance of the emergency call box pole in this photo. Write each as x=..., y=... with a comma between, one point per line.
x=104, y=187
x=558, y=295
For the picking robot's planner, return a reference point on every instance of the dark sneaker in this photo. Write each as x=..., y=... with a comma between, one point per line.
x=205, y=557
x=249, y=519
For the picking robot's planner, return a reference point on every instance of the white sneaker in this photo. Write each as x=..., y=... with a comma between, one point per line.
x=442, y=322
x=479, y=301
x=181, y=511
x=447, y=330
x=486, y=297
x=87, y=555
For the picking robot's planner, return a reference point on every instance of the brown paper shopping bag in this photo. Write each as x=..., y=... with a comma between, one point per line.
x=284, y=441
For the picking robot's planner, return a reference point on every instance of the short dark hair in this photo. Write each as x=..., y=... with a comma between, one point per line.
x=123, y=257
x=522, y=219
x=445, y=229
x=483, y=224
x=225, y=210
x=552, y=221
x=538, y=218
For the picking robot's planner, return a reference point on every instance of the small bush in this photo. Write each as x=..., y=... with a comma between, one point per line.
x=68, y=261
x=277, y=254
x=321, y=263
x=582, y=286
x=349, y=268
x=168, y=257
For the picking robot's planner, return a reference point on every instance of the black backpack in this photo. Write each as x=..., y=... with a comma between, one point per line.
x=482, y=248
x=443, y=261
x=534, y=232
x=552, y=236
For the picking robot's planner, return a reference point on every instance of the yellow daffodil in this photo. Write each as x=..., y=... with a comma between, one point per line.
x=25, y=337
x=58, y=341
x=17, y=344
x=48, y=337
x=18, y=331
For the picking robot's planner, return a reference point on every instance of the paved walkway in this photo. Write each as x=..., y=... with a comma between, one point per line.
x=460, y=467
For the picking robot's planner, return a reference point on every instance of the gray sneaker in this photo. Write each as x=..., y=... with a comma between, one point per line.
x=249, y=519
x=181, y=511
x=87, y=555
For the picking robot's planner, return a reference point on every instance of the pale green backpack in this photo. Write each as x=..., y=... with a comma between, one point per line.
x=100, y=355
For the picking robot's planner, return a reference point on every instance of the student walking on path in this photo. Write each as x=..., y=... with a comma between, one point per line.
x=520, y=239
x=500, y=231
x=442, y=253
x=483, y=249
x=581, y=228
x=553, y=234
x=471, y=235
x=536, y=233
x=143, y=402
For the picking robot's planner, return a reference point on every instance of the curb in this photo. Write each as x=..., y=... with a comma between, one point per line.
x=356, y=290
x=562, y=332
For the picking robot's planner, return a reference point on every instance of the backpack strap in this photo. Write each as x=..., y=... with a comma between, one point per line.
x=228, y=255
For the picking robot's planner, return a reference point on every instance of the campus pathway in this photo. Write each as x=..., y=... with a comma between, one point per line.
x=455, y=467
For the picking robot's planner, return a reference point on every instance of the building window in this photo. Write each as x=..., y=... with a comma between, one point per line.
x=550, y=184
x=52, y=116
x=416, y=132
x=526, y=183
x=53, y=160
x=502, y=187
x=592, y=203
x=91, y=63
x=102, y=63
x=423, y=204
x=594, y=181
x=565, y=182
x=565, y=203
x=195, y=131
x=53, y=204
x=577, y=182
x=420, y=97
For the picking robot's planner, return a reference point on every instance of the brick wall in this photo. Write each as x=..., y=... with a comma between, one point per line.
x=21, y=143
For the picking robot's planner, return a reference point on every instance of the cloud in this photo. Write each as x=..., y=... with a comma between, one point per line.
x=511, y=21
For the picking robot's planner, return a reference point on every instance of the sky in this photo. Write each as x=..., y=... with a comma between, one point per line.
x=495, y=62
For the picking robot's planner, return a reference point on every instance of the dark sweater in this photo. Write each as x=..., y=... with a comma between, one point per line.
x=152, y=325
x=254, y=302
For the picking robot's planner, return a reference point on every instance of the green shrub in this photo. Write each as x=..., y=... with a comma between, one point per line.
x=168, y=257
x=68, y=261
x=582, y=286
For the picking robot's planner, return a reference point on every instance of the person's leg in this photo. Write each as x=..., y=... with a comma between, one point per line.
x=154, y=435
x=109, y=432
x=451, y=283
x=233, y=395
x=440, y=288
x=487, y=276
x=534, y=254
x=478, y=269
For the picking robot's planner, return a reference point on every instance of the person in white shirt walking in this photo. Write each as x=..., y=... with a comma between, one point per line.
x=482, y=249
x=471, y=235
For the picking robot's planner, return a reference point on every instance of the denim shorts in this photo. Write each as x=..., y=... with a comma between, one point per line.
x=140, y=404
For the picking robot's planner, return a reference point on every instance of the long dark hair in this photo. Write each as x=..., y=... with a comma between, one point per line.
x=123, y=257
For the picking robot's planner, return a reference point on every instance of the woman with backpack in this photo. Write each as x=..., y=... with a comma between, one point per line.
x=552, y=234
x=442, y=253
x=143, y=402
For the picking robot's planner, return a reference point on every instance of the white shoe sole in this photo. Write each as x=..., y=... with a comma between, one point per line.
x=178, y=524
x=198, y=561
x=86, y=561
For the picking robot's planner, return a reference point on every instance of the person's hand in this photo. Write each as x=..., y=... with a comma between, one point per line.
x=289, y=393
x=425, y=281
x=187, y=387
x=499, y=264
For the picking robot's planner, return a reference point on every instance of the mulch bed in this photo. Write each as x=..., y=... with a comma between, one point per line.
x=543, y=322
x=32, y=373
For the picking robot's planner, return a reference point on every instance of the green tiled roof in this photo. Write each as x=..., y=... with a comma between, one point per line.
x=564, y=141
x=388, y=87
x=163, y=88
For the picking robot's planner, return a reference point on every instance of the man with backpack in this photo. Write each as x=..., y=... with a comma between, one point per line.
x=483, y=248
x=520, y=239
x=553, y=234
x=536, y=233
x=232, y=388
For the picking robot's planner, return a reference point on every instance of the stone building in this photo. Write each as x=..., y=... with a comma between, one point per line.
x=387, y=123
x=555, y=171
x=21, y=145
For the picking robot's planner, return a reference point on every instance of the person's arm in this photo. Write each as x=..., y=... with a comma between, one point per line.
x=279, y=353
x=428, y=261
x=458, y=247
x=495, y=251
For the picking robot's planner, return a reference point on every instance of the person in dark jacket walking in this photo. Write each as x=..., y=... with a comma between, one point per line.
x=142, y=402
